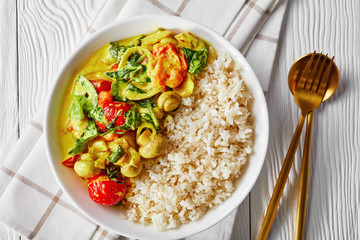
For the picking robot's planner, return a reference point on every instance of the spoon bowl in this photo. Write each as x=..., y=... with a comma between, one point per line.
x=298, y=67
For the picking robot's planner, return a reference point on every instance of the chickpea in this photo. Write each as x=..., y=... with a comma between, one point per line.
x=86, y=168
x=109, y=137
x=169, y=101
x=129, y=140
x=86, y=156
x=145, y=133
x=144, y=138
x=153, y=148
x=134, y=158
x=123, y=160
x=131, y=171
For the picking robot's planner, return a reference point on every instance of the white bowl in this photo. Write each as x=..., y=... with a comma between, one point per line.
x=107, y=216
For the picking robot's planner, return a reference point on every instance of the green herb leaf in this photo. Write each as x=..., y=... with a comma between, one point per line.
x=116, y=50
x=135, y=89
x=113, y=172
x=131, y=70
x=98, y=115
x=134, y=57
x=144, y=103
x=89, y=133
x=149, y=104
x=118, y=90
x=197, y=59
x=114, y=156
x=145, y=117
x=132, y=119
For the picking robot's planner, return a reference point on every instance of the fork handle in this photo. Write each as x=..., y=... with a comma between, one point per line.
x=280, y=184
x=304, y=181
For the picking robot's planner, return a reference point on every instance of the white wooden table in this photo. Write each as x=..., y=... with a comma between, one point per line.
x=37, y=36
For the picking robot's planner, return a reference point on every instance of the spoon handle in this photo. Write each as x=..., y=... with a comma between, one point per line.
x=280, y=184
x=304, y=181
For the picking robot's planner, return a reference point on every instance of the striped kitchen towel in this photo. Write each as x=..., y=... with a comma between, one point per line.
x=33, y=204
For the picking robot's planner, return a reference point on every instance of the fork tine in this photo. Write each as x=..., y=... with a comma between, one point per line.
x=305, y=73
x=325, y=79
x=315, y=86
x=311, y=77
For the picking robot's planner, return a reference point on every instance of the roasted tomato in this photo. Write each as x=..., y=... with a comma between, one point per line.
x=169, y=69
x=114, y=67
x=105, y=191
x=103, y=98
x=71, y=161
x=101, y=85
x=114, y=111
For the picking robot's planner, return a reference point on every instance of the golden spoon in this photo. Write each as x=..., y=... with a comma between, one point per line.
x=333, y=83
x=312, y=81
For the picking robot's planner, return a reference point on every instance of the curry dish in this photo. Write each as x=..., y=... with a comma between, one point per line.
x=118, y=104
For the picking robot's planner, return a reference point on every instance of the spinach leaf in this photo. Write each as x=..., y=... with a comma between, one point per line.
x=118, y=90
x=145, y=117
x=132, y=120
x=135, y=89
x=188, y=52
x=113, y=172
x=144, y=103
x=130, y=70
x=116, y=50
x=98, y=115
x=197, y=59
x=149, y=104
x=134, y=57
x=114, y=156
x=89, y=133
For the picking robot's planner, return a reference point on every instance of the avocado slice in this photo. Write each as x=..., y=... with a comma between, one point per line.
x=83, y=87
x=85, y=98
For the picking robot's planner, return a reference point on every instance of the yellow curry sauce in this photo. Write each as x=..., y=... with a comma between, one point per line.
x=92, y=67
x=115, y=108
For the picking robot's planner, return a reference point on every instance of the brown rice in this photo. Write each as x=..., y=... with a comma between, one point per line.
x=210, y=138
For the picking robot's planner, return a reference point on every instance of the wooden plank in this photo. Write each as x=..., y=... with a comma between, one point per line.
x=241, y=228
x=8, y=90
x=8, y=69
x=48, y=32
x=333, y=204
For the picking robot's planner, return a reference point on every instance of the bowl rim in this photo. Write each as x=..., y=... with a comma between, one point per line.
x=255, y=90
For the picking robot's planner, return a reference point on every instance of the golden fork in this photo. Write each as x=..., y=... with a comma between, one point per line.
x=308, y=95
x=305, y=166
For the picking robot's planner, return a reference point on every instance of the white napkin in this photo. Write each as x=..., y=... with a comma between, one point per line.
x=33, y=204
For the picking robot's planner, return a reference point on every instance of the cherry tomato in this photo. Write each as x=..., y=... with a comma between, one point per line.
x=71, y=161
x=114, y=67
x=116, y=110
x=101, y=85
x=104, y=97
x=113, y=110
x=102, y=126
x=105, y=191
x=184, y=62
